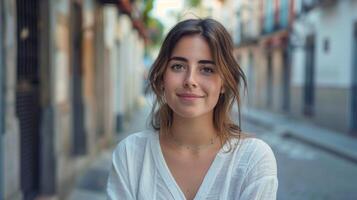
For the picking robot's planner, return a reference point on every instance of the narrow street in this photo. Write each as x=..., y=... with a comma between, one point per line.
x=73, y=74
x=304, y=172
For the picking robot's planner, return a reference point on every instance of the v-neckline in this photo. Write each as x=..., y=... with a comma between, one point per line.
x=169, y=179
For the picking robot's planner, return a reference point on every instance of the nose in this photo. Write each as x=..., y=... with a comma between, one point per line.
x=190, y=81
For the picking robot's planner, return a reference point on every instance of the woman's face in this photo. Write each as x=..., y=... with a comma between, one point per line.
x=192, y=84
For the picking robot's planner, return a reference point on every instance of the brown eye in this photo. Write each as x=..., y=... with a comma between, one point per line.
x=177, y=67
x=207, y=70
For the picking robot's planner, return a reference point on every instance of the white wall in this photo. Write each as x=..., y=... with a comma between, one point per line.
x=298, y=70
x=131, y=65
x=334, y=23
x=302, y=27
x=110, y=24
x=10, y=146
x=124, y=26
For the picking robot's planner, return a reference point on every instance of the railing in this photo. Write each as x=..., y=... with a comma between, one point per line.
x=308, y=5
x=247, y=32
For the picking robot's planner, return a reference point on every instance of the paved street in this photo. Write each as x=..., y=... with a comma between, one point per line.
x=305, y=172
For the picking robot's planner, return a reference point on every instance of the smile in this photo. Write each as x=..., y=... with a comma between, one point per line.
x=187, y=96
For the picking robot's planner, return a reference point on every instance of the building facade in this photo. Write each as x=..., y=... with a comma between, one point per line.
x=324, y=69
x=59, y=89
x=248, y=51
x=299, y=57
x=10, y=161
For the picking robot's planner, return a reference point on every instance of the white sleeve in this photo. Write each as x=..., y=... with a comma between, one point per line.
x=261, y=182
x=118, y=186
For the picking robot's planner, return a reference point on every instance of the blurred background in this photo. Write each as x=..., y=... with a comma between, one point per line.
x=73, y=73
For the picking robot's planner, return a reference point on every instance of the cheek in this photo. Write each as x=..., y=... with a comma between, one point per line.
x=215, y=87
x=171, y=82
x=217, y=93
x=166, y=79
x=213, y=92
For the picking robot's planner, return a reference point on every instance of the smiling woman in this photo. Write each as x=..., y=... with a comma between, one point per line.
x=195, y=150
x=191, y=83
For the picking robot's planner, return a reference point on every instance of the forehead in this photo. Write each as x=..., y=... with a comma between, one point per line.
x=192, y=47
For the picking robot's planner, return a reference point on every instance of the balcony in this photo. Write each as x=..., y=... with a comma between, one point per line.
x=248, y=35
x=326, y=2
x=108, y=1
x=308, y=5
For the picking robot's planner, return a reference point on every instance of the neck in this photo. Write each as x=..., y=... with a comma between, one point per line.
x=193, y=131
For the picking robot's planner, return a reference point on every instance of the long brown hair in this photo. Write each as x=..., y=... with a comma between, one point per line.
x=221, y=46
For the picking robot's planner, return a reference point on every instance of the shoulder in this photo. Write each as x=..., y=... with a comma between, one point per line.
x=252, y=152
x=134, y=143
x=259, y=156
x=250, y=146
x=142, y=136
x=256, y=146
x=256, y=169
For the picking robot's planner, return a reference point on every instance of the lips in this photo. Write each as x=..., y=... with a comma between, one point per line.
x=189, y=96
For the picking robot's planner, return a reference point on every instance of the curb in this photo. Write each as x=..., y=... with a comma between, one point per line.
x=332, y=142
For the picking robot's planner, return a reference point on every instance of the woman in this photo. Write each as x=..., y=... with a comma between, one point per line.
x=195, y=150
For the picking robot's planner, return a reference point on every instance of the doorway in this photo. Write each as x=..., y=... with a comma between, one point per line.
x=79, y=136
x=269, y=80
x=354, y=85
x=2, y=66
x=309, y=87
x=286, y=81
x=28, y=108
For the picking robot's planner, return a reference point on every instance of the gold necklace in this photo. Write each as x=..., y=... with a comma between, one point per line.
x=193, y=147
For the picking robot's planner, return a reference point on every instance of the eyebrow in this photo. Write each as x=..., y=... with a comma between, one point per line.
x=185, y=60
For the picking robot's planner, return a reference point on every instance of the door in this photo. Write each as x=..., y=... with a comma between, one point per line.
x=309, y=87
x=269, y=80
x=28, y=95
x=354, y=85
x=2, y=66
x=286, y=81
x=79, y=136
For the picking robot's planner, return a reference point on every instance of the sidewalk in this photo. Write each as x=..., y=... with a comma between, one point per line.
x=334, y=142
x=91, y=185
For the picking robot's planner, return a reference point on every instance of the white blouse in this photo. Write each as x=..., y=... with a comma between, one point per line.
x=139, y=171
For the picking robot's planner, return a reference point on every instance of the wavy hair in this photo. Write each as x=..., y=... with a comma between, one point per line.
x=221, y=46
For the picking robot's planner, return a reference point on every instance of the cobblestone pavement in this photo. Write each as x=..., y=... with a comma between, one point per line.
x=306, y=172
